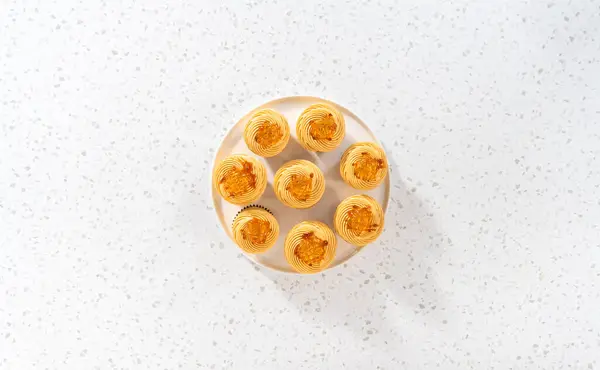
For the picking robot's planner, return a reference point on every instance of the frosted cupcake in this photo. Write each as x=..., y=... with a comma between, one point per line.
x=255, y=230
x=310, y=247
x=299, y=184
x=240, y=179
x=267, y=133
x=363, y=166
x=359, y=220
x=320, y=128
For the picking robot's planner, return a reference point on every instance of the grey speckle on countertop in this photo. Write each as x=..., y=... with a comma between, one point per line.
x=111, y=256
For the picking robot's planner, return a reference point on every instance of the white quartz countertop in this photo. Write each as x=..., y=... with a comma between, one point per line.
x=111, y=256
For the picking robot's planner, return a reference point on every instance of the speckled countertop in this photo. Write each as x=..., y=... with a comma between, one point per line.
x=110, y=253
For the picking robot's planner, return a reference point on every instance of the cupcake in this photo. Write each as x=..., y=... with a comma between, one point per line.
x=255, y=229
x=267, y=133
x=310, y=247
x=240, y=179
x=320, y=128
x=359, y=220
x=363, y=166
x=299, y=184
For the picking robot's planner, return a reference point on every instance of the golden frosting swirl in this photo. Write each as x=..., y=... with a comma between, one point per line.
x=359, y=220
x=310, y=247
x=240, y=179
x=320, y=128
x=255, y=230
x=299, y=184
x=267, y=133
x=364, y=166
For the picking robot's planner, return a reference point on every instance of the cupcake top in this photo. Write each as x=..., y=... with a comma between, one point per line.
x=363, y=165
x=299, y=184
x=359, y=220
x=310, y=247
x=255, y=229
x=240, y=179
x=320, y=128
x=267, y=133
